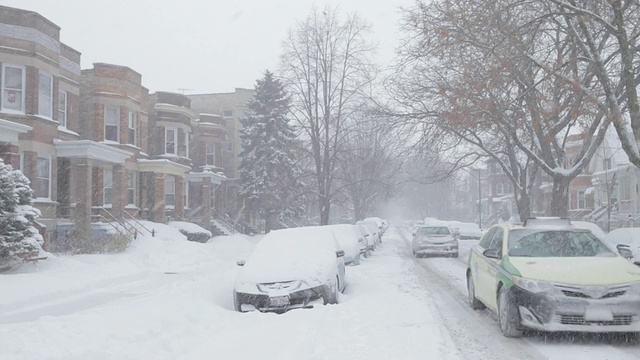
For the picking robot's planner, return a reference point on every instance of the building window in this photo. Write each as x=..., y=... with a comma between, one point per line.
x=606, y=163
x=131, y=189
x=107, y=180
x=62, y=108
x=229, y=147
x=211, y=154
x=227, y=113
x=503, y=189
x=13, y=80
x=170, y=191
x=581, y=202
x=133, y=126
x=171, y=137
x=45, y=95
x=21, y=161
x=186, y=195
x=111, y=123
x=625, y=189
x=186, y=144
x=43, y=178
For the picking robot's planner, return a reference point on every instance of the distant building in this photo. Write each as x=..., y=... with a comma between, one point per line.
x=230, y=107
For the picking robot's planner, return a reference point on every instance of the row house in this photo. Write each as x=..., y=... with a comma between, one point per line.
x=96, y=146
x=230, y=107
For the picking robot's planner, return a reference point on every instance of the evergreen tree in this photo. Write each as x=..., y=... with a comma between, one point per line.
x=268, y=173
x=18, y=236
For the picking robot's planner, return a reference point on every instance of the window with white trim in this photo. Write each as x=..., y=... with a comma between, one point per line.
x=185, y=144
x=13, y=83
x=131, y=188
x=170, y=191
x=171, y=138
x=111, y=123
x=43, y=178
x=133, y=128
x=210, y=154
x=45, y=95
x=229, y=147
x=107, y=180
x=186, y=194
x=62, y=108
x=581, y=200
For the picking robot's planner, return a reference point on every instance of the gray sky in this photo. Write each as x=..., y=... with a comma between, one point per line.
x=201, y=45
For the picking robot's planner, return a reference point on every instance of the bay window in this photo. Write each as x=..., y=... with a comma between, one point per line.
x=45, y=95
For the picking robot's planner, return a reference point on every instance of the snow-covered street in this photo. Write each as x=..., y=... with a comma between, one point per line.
x=170, y=299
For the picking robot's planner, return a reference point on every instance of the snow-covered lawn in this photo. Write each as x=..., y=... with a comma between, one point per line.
x=166, y=298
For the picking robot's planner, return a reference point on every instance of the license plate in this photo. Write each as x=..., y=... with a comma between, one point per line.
x=279, y=301
x=598, y=314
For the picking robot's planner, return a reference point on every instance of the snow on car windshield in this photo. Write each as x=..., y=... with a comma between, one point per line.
x=556, y=243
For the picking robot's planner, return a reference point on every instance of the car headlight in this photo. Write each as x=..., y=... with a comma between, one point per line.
x=533, y=286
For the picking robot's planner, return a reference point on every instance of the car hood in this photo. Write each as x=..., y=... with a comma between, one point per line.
x=575, y=270
x=313, y=273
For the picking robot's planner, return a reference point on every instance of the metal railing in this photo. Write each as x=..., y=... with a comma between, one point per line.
x=138, y=223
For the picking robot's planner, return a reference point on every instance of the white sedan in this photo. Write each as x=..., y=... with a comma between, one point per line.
x=291, y=268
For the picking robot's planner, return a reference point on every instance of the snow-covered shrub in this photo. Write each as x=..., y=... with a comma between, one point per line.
x=193, y=232
x=19, y=239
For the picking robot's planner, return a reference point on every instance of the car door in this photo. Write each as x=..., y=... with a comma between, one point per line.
x=490, y=281
x=478, y=263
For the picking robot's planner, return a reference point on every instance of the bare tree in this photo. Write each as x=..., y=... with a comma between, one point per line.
x=327, y=67
x=507, y=79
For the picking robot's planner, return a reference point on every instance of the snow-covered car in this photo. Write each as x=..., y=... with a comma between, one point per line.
x=625, y=237
x=370, y=243
x=466, y=230
x=548, y=275
x=374, y=232
x=595, y=229
x=351, y=241
x=434, y=240
x=291, y=268
x=378, y=222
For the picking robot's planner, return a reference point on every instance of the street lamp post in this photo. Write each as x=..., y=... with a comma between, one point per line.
x=479, y=177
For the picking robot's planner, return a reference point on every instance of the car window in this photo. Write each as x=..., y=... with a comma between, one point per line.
x=496, y=240
x=434, y=230
x=556, y=243
x=486, y=239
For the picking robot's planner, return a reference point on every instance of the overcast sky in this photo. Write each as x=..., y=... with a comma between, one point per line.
x=200, y=45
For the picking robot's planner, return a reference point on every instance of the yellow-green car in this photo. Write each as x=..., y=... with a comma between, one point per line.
x=548, y=275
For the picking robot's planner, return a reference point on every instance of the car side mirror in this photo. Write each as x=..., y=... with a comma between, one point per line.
x=241, y=262
x=625, y=251
x=492, y=253
x=340, y=253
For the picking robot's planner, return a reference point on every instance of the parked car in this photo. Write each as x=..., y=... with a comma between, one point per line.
x=378, y=222
x=467, y=230
x=434, y=240
x=627, y=238
x=368, y=237
x=595, y=229
x=351, y=241
x=548, y=275
x=374, y=231
x=291, y=268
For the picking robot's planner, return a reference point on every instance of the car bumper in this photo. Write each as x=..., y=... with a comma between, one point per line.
x=263, y=302
x=436, y=248
x=550, y=312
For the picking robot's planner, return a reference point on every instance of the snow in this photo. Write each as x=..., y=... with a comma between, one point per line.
x=347, y=236
x=291, y=254
x=167, y=298
x=189, y=227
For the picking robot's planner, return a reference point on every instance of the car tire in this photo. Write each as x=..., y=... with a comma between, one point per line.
x=236, y=304
x=508, y=316
x=356, y=261
x=331, y=293
x=471, y=290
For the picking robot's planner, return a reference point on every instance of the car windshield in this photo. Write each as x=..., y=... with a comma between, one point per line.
x=556, y=243
x=434, y=230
